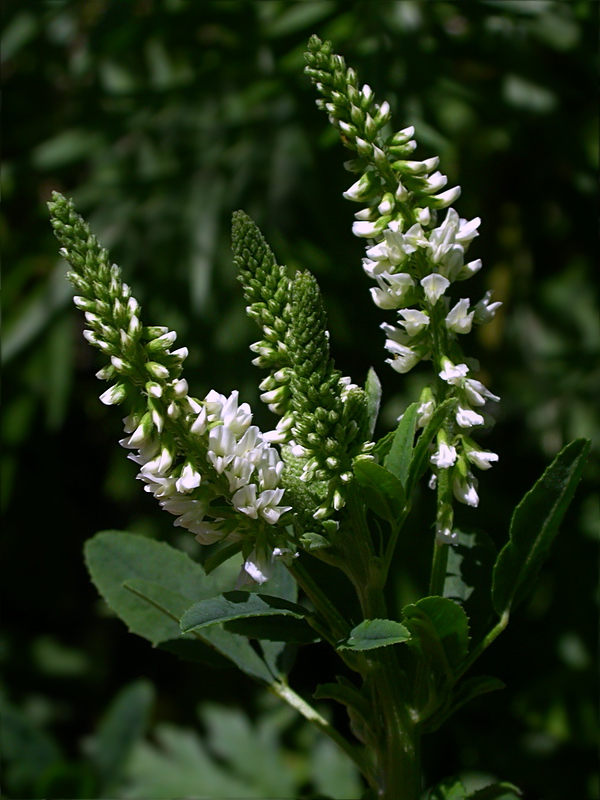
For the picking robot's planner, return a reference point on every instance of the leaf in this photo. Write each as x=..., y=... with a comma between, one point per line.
x=439, y=620
x=373, y=633
x=373, y=392
x=381, y=491
x=123, y=725
x=27, y=751
x=448, y=789
x=420, y=459
x=497, y=791
x=469, y=577
x=534, y=525
x=398, y=459
x=173, y=582
x=346, y=694
x=237, y=605
x=274, y=629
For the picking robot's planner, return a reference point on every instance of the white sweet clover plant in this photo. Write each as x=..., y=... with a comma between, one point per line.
x=316, y=483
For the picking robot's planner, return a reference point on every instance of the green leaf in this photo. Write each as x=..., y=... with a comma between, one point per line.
x=381, y=491
x=173, y=582
x=373, y=392
x=274, y=629
x=448, y=789
x=534, y=525
x=123, y=725
x=398, y=459
x=420, y=460
x=346, y=694
x=237, y=605
x=373, y=633
x=437, y=620
x=27, y=751
x=469, y=577
x=497, y=791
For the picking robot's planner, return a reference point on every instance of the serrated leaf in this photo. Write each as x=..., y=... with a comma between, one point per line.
x=237, y=605
x=420, y=459
x=114, y=558
x=534, y=525
x=399, y=457
x=448, y=789
x=373, y=633
x=469, y=577
x=373, y=392
x=381, y=491
x=497, y=791
x=437, y=620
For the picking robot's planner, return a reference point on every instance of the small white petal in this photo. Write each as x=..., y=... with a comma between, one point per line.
x=434, y=285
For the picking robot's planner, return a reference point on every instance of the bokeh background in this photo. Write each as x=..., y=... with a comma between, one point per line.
x=160, y=118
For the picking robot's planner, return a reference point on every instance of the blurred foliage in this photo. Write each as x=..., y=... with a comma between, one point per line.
x=161, y=117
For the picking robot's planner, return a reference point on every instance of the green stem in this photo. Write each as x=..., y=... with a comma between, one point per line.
x=338, y=626
x=483, y=645
x=356, y=753
x=399, y=757
x=438, y=569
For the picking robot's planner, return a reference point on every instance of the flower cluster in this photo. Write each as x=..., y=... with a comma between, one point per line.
x=414, y=262
x=203, y=460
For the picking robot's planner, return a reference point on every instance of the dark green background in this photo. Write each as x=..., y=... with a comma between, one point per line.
x=161, y=117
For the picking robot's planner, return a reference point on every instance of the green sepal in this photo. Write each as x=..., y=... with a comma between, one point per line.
x=381, y=491
x=373, y=633
x=420, y=459
x=399, y=458
x=534, y=525
x=237, y=605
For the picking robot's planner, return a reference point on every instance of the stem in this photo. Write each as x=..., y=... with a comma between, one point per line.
x=339, y=627
x=357, y=754
x=483, y=645
x=399, y=756
x=438, y=568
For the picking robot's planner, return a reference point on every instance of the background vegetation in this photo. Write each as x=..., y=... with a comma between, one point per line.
x=161, y=117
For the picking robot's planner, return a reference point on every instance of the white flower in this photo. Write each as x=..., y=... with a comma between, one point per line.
x=458, y=319
x=270, y=468
x=445, y=456
x=207, y=532
x=404, y=357
x=392, y=290
x=477, y=392
x=258, y=566
x=481, y=458
x=465, y=489
x=484, y=310
x=414, y=321
x=365, y=229
x=467, y=418
x=453, y=374
x=221, y=444
x=189, y=479
x=434, y=285
x=425, y=413
x=468, y=270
